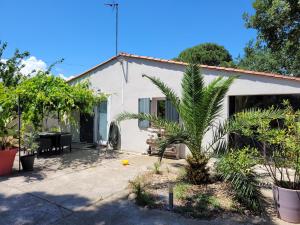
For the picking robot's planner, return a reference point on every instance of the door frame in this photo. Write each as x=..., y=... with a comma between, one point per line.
x=97, y=121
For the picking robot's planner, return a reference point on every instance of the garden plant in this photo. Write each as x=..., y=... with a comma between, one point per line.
x=275, y=135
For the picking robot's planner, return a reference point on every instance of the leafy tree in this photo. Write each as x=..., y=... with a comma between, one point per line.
x=7, y=114
x=260, y=58
x=40, y=96
x=277, y=22
x=276, y=132
x=10, y=68
x=198, y=108
x=45, y=94
x=207, y=54
x=278, y=26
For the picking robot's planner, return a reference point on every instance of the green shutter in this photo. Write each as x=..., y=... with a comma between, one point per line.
x=144, y=107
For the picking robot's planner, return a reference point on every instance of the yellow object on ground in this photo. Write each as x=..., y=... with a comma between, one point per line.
x=125, y=162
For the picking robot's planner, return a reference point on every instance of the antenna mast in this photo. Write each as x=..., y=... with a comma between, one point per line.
x=115, y=6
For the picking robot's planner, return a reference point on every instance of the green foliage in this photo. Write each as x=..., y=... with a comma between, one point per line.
x=205, y=201
x=277, y=133
x=181, y=191
x=7, y=115
x=207, y=54
x=260, y=58
x=198, y=108
x=156, y=167
x=277, y=24
x=29, y=143
x=138, y=187
x=40, y=96
x=44, y=95
x=237, y=167
x=10, y=68
x=200, y=205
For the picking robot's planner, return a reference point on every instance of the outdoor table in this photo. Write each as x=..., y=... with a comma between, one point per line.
x=54, y=137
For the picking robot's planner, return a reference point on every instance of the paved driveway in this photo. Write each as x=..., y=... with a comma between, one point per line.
x=61, y=185
x=83, y=187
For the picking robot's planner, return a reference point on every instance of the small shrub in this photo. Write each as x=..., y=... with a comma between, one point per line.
x=138, y=187
x=237, y=168
x=182, y=174
x=196, y=170
x=180, y=191
x=156, y=168
x=205, y=201
x=200, y=206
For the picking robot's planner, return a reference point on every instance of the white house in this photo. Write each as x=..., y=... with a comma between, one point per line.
x=121, y=77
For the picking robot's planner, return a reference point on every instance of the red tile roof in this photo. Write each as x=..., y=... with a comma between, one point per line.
x=218, y=68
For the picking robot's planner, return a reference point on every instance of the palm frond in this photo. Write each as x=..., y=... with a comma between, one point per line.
x=192, y=87
x=219, y=143
x=237, y=167
x=169, y=126
x=168, y=92
x=247, y=189
x=212, y=102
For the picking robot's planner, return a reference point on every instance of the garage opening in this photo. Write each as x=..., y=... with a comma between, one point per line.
x=240, y=103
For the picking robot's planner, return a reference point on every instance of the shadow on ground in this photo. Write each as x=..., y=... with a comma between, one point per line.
x=78, y=159
x=41, y=208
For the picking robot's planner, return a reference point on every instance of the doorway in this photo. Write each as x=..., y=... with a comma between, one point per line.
x=86, y=128
x=102, y=122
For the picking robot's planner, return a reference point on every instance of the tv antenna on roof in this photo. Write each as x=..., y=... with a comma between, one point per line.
x=115, y=6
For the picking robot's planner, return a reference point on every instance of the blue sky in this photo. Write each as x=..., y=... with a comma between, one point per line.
x=82, y=32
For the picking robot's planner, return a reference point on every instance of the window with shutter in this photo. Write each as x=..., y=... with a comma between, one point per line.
x=144, y=107
x=171, y=112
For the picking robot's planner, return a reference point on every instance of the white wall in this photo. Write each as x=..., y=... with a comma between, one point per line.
x=122, y=79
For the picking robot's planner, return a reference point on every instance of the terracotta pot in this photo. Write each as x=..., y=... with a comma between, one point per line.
x=287, y=202
x=7, y=158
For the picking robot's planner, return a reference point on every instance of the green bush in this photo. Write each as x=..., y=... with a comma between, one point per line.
x=205, y=201
x=156, y=168
x=277, y=133
x=138, y=187
x=180, y=191
x=237, y=167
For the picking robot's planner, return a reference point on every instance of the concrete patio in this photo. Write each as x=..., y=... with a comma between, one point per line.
x=68, y=188
x=87, y=186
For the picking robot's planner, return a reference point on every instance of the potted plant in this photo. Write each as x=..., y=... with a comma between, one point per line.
x=7, y=151
x=29, y=146
x=276, y=133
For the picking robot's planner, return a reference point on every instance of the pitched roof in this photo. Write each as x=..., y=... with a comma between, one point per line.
x=218, y=68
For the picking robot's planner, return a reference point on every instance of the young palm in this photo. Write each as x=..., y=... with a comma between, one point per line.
x=198, y=109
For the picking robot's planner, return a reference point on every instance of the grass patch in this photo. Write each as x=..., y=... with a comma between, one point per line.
x=156, y=168
x=200, y=206
x=181, y=174
x=181, y=191
x=138, y=187
x=205, y=202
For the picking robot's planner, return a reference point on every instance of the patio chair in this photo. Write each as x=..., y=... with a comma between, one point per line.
x=65, y=141
x=45, y=145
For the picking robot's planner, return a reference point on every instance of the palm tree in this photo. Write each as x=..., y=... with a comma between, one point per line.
x=198, y=109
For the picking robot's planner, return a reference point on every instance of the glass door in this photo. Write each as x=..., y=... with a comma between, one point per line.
x=102, y=121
